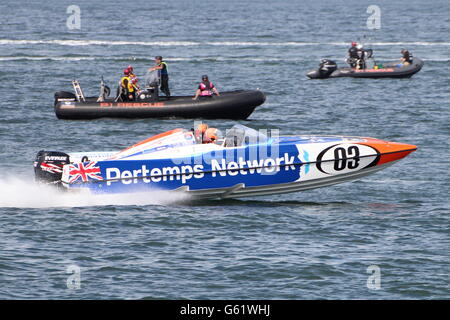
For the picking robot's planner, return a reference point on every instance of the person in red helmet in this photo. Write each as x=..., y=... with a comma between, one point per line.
x=134, y=79
x=353, y=56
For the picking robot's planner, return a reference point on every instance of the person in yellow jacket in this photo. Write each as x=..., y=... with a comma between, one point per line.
x=128, y=87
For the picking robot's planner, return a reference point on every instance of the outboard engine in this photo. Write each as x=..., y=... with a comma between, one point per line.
x=48, y=166
x=150, y=93
x=64, y=96
x=326, y=68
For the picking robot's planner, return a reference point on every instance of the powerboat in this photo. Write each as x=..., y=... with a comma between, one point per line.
x=243, y=162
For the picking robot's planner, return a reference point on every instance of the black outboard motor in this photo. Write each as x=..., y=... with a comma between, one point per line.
x=62, y=96
x=150, y=94
x=326, y=68
x=48, y=166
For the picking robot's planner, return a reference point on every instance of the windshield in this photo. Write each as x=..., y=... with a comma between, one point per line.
x=152, y=78
x=240, y=135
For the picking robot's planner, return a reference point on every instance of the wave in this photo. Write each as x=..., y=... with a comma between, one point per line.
x=128, y=58
x=146, y=59
x=22, y=193
x=207, y=43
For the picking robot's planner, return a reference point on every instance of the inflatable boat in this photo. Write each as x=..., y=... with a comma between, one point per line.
x=389, y=70
x=148, y=104
x=244, y=162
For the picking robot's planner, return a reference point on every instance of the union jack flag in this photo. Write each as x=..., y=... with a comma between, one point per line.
x=84, y=171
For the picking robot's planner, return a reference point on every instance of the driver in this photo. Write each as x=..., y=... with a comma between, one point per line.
x=211, y=135
x=204, y=134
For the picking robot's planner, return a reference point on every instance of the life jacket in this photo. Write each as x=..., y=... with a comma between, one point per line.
x=353, y=52
x=163, y=71
x=205, y=91
x=129, y=86
x=134, y=81
x=407, y=56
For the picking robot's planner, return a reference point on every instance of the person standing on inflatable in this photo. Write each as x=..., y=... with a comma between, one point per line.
x=353, y=55
x=205, y=88
x=163, y=73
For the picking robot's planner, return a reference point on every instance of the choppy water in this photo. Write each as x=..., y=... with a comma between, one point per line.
x=315, y=244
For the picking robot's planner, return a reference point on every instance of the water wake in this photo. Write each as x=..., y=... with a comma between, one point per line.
x=208, y=43
x=22, y=193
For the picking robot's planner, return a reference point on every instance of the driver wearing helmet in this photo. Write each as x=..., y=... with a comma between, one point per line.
x=211, y=135
x=204, y=134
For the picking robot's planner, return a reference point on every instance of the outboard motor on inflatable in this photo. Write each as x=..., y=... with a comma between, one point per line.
x=151, y=91
x=48, y=166
x=149, y=94
x=326, y=68
x=62, y=96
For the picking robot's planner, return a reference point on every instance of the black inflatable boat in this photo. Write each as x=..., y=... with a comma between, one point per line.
x=229, y=105
x=329, y=69
x=148, y=104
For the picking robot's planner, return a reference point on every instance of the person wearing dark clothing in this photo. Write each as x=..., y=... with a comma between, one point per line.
x=406, y=58
x=327, y=67
x=353, y=56
x=163, y=73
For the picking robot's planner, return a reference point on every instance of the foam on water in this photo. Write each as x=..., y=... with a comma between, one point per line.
x=25, y=193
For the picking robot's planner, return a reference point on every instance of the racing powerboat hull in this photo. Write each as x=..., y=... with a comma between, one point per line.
x=389, y=70
x=229, y=105
x=236, y=168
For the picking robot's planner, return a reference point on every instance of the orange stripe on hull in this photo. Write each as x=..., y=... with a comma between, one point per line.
x=389, y=157
x=390, y=151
